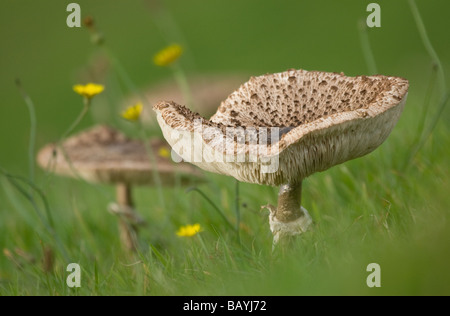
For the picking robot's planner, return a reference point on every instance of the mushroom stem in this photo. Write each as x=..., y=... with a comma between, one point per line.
x=289, y=201
x=124, y=196
x=128, y=231
x=289, y=218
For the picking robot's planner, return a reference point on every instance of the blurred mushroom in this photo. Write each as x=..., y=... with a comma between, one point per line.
x=104, y=155
x=207, y=91
x=278, y=129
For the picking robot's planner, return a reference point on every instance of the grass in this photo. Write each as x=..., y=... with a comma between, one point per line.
x=371, y=209
x=371, y=213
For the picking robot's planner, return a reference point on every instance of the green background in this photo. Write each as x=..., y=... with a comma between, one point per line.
x=251, y=37
x=255, y=37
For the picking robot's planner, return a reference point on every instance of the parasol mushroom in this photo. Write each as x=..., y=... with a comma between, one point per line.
x=105, y=155
x=278, y=129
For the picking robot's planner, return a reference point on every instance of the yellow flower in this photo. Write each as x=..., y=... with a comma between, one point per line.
x=164, y=152
x=189, y=230
x=168, y=55
x=133, y=113
x=89, y=90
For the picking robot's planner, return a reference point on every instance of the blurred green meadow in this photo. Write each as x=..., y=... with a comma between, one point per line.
x=391, y=207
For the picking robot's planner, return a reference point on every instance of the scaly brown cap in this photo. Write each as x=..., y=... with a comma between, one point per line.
x=323, y=119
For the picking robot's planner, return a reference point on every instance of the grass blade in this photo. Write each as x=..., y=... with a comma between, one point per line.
x=427, y=132
x=366, y=48
x=443, y=86
x=427, y=43
x=33, y=124
x=215, y=207
x=238, y=211
x=48, y=223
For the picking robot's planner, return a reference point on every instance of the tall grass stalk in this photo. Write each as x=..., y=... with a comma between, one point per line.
x=366, y=48
x=427, y=43
x=131, y=86
x=48, y=222
x=168, y=26
x=423, y=118
x=215, y=207
x=238, y=210
x=427, y=100
x=182, y=82
x=120, y=69
x=117, y=65
x=152, y=157
x=428, y=130
x=80, y=117
x=33, y=127
x=59, y=145
x=31, y=189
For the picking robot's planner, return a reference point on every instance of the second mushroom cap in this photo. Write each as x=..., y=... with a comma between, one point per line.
x=105, y=155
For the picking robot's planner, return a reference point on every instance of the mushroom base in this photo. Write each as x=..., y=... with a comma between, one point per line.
x=281, y=230
x=129, y=220
x=289, y=218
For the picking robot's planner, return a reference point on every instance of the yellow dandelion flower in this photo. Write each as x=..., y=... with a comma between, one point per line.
x=133, y=113
x=89, y=90
x=164, y=152
x=189, y=230
x=168, y=55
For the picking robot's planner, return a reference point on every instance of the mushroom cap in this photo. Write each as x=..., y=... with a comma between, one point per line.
x=105, y=155
x=313, y=120
x=207, y=91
